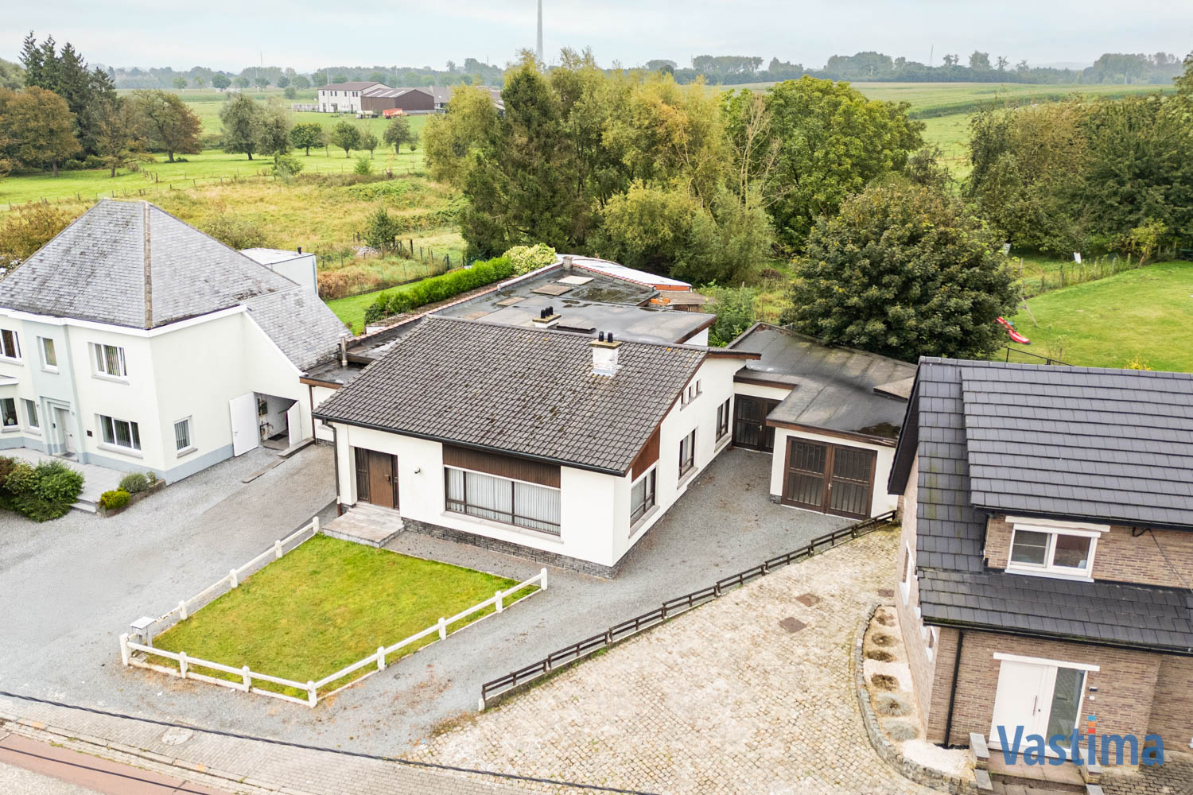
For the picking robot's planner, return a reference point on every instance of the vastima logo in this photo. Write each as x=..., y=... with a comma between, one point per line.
x=1118, y=747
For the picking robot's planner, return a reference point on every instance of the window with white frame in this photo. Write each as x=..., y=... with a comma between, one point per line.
x=931, y=637
x=499, y=499
x=10, y=344
x=691, y=392
x=49, y=357
x=182, y=436
x=120, y=433
x=687, y=453
x=1064, y=550
x=905, y=574
x=642, y=496
x=31, y=418
x=109, y=360
x=8, y=414
x=722, y=420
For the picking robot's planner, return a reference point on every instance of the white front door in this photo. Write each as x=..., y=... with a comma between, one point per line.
x=1043, y=697
x=294, y=423
x=245, y=435
x=66, y=434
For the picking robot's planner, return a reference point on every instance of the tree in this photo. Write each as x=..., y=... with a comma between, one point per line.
x=242, y=121
x=306, y=134
x=119, y=129
x=220, y=81
x=180, y=82
x=301, y=83
x=241, y=82
x=979, y=61
x=346, y=136
x=289, y=92
x=383, y=230
x=199, y=81
x=283, y=82
x=454, y=137
x=903, y=271
x=65, y=73
x=368, y=141
x=275, y=129
x=1002, y=63
x=397, y=132
x=40, y=126
x=832, y=141
x=950, y=60
x=169, y=122
x=27, y=228
x=339, y=78
x=11, y=75
x=261, y=82
x=377, y=77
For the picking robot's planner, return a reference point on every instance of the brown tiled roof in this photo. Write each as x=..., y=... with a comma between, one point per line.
x=524, y=391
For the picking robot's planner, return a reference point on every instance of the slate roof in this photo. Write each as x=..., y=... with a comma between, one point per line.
x=835, y=388
x=1062, y=442
x=523, y=391
x=132, y=264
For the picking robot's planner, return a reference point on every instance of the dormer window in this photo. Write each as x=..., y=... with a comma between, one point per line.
x=1064, y=550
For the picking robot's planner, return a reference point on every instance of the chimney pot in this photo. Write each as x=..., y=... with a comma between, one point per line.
x=601, y=336
x=300, y=249
x=609, y=338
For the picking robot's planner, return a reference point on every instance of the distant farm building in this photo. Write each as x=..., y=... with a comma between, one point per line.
x=376, y=98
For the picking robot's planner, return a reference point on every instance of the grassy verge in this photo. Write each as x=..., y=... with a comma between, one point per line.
x=326, y=605
x=1143, y=315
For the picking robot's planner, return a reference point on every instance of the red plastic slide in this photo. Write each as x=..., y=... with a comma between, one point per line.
x=1014, y=335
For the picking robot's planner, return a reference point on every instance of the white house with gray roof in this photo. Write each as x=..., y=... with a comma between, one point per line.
x=134, y=341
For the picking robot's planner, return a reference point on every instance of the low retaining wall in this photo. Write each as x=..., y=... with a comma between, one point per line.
x=133, y=499
x=886, y=748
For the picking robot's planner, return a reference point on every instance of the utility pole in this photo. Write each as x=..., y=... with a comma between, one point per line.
x=539, y=48
x=931, y=53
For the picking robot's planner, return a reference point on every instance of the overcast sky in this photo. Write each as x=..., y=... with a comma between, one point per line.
x=230, y=34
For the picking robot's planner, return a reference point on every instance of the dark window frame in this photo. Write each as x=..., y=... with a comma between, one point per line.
x=723, y=414
x=510, y=517
x=649, y=495
x=688, y=463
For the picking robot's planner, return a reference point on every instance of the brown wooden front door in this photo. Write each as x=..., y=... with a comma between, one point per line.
x=829, y=478
x=749, y=423
x=377, y=478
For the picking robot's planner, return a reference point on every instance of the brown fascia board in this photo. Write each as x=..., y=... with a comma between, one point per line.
x=706, y=324
x=882, y=441
x=319, y=382
x=726, y=353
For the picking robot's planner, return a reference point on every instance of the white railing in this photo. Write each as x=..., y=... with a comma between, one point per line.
x=129, y=649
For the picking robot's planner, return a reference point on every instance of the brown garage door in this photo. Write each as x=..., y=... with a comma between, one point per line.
x=829, y=478
x=749, y=423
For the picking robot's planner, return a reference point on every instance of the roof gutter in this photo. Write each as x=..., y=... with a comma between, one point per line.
x=472, y=446
x=1026, y=633
x=1102, y=520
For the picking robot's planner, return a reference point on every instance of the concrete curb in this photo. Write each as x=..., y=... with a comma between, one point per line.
x=148, y=756
x=890, y=753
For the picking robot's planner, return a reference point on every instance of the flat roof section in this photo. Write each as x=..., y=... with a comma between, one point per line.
x=626, y=322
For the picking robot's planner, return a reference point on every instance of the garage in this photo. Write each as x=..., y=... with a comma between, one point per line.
x=829, y=478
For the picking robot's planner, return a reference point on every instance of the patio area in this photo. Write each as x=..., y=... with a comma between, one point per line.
x=96, y=479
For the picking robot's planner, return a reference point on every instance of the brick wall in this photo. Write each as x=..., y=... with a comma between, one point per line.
x=1172, y=708
x=1126, y=682
x=1158, y=557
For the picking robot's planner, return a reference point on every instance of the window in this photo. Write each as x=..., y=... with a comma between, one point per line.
x=8, y=413
x=691, y=392
x=10, y=347
x=931, y=637
x=109, y=360
x=503, y=500
x=642, y=496
x=905, y=574
x=31, y=415
x=1052, y=551
x=120, y=433
x=49, y=358
x=687, y=453
x=182, y=436
x=722, y=420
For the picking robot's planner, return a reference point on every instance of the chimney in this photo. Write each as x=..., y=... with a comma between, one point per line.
x=604, y=355
x=343, y=352
x=546, y=319
x=300, y=249
x=567, y=263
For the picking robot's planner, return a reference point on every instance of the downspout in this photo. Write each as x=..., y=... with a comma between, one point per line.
x=311, y=403
x=948, y=721
x=335, y=445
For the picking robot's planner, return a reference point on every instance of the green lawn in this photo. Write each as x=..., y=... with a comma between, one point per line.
x=1144, y=315
x=326, y=605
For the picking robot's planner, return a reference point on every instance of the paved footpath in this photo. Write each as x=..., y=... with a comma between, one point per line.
x=720, y=700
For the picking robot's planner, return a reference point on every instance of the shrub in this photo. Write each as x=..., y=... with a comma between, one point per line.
x=382, y=230
x=111, y=500
x=530, y=258
x=439, y=288
x=21, y=479
x=884, y=682
x=43, y=492
x=901, y=730
x=134, y=482
x=891, y=704
x=27, y=228
x=363, y=166
x=286, y=166
x=235, y=232
x=57, y=483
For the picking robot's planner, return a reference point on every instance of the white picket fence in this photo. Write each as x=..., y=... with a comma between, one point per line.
x=132, y=653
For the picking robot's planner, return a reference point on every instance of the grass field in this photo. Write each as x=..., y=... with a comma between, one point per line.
x=328, y=604
x=1144, y=314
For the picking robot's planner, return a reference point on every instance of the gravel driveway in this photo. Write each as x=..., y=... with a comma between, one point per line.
x=78, y=583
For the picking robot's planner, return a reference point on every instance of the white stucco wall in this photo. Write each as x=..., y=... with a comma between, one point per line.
x=344, y=101
x=880, y=501
x=768, y=392
x=301, y=270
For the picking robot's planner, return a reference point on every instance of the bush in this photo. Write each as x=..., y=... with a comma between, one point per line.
x=43, y=492
x=57, y=483
x=363, y=166
x=439, y=288
x=286, y=166
x=530, y=258
x=235, y=232
x=112, y=500
x=134, y=482
x=27, y=228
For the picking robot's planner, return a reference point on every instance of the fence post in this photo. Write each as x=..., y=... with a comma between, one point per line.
x=543, y=578
x=497, y=598
x=277, y=550
x=442, y=628
x=312, y=699
x=182, y=610
x=248, y=678
x=124, y=652
x=315, y=525
x=182, y=663
x=232, y=578
x=380, y=658
x=481, y=706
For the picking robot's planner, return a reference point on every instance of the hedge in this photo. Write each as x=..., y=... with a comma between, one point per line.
x=439, y=288
x=43, y=492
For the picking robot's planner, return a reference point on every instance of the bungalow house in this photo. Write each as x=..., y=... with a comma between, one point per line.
x=563, y=446
x=134, y=341
x=828, y=416
x=1047, y=551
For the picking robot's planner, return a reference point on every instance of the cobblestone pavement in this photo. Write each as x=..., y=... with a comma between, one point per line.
x=723, y=699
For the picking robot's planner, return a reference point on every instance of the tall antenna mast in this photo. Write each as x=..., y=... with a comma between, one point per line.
x=539, y=49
